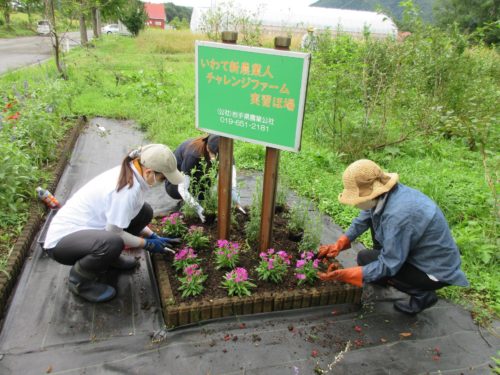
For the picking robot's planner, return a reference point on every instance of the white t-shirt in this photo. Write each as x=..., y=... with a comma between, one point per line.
x=97, y=204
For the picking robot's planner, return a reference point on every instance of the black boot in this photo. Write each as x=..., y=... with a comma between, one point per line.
x=419, y=299
x=124, y=263
x=417, y=302
x=84, y=283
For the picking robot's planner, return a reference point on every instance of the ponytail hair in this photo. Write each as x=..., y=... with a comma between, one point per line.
x=199, y=145
x=126, y=173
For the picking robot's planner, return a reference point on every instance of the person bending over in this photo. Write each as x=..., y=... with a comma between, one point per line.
x=413, y=249
x=194, y=158
x=108, y=213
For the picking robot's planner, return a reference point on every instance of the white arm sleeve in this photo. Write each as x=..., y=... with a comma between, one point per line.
x=183, y=188
x=235, y=194
x=128, y=239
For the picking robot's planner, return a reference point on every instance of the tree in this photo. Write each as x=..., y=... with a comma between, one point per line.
x=479, y=18
x=134, y=16
x=6, y=7
x=30, y=6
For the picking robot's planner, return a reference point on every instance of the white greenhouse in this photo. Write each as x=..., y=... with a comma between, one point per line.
x=299, y=19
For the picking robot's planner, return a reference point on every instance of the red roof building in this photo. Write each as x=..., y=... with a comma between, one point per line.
x=156, y=15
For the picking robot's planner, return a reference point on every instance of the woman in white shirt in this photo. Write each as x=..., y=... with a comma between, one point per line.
x=107, y=214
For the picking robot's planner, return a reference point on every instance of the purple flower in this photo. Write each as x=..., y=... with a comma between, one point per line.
x=270, y=264
x=300, y=263
x=185, y=253
x=300, y=276
x=241, y=274
x=192, y=270
x=315, y=263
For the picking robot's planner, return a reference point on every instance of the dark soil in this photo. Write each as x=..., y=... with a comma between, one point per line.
x=249, y=259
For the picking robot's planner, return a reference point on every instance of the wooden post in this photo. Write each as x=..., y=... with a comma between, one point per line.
x=225, y=169
x=270, y=176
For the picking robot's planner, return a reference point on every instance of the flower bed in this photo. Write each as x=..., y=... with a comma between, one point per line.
x=220, y=278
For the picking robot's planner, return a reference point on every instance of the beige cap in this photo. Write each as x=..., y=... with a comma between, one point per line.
x=364, y=180
x=161, y=159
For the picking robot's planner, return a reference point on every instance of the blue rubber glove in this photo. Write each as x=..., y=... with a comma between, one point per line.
x=168, y=241
x=155, y=246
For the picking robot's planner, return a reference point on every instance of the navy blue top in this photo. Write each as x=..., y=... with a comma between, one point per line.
x=411, y=228
x=189, y=161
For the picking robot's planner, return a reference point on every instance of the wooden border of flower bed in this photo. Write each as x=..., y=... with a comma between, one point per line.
x=181, y=314
x=21, y=247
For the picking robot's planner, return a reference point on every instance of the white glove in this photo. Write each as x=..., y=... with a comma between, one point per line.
x=235, y=194
x=183, y=188
x=199, y=211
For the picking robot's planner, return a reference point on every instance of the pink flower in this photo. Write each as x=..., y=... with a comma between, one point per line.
x=300, y=276
x=222, y=243
x=241, y=274
x=270, y=265
x=185, y=253
x=192, y=270
x=300, y=263
x=315, y=263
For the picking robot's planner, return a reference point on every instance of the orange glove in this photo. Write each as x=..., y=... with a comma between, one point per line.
x=352, y=275
x=332, y=250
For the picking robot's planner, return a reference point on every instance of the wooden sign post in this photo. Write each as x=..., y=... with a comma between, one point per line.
x=225, y=168
x=270, y=183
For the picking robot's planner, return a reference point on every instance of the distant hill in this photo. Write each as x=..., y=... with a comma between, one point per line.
x=390, y=7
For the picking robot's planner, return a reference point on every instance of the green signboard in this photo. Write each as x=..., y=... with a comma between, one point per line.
x=252, y=94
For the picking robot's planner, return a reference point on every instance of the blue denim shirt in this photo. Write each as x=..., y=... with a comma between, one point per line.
x=411, y=228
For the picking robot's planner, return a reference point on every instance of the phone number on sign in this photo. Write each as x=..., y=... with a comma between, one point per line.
x=244, y=124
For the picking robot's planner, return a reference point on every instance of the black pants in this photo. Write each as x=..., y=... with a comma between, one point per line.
x=408, y=277
x=97, y=249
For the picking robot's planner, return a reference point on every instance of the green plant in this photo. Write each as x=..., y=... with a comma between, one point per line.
x=133, y=16
x=237, y=283
x=312, y=233
x=306, y=268
x=203, y=186
x=192, y=282
x=173, y=225
x=196, y=238
x=227, y=254
x=273, y=265
x=297, y=217
x=184, y=258
x=252, y=226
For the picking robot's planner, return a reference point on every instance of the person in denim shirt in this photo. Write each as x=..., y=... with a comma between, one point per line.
x=413, y=249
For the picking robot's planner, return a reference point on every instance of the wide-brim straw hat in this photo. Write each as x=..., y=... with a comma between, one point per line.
x=364, y=180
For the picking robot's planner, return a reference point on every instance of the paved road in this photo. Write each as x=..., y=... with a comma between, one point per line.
x=18, y=52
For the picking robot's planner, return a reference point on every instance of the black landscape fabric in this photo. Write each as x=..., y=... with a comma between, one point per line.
x=48, y=330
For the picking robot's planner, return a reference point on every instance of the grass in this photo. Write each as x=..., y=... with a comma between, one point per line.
x=19, y=26
x=150, y=79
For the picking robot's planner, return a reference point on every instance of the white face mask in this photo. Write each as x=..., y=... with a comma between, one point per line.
x=155, y=182
x=368, y=205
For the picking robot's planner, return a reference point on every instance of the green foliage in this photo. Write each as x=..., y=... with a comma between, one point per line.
x=205, y=185
x=181, y=13
x=297, y=217
x=477, y=17
x=179, y=24
x=273, y=266
x=425, y=108
x=312, y=233
x=133, y=16
x=228, y=16
x=252, y=226
x=196, y=238
x=192, y=282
